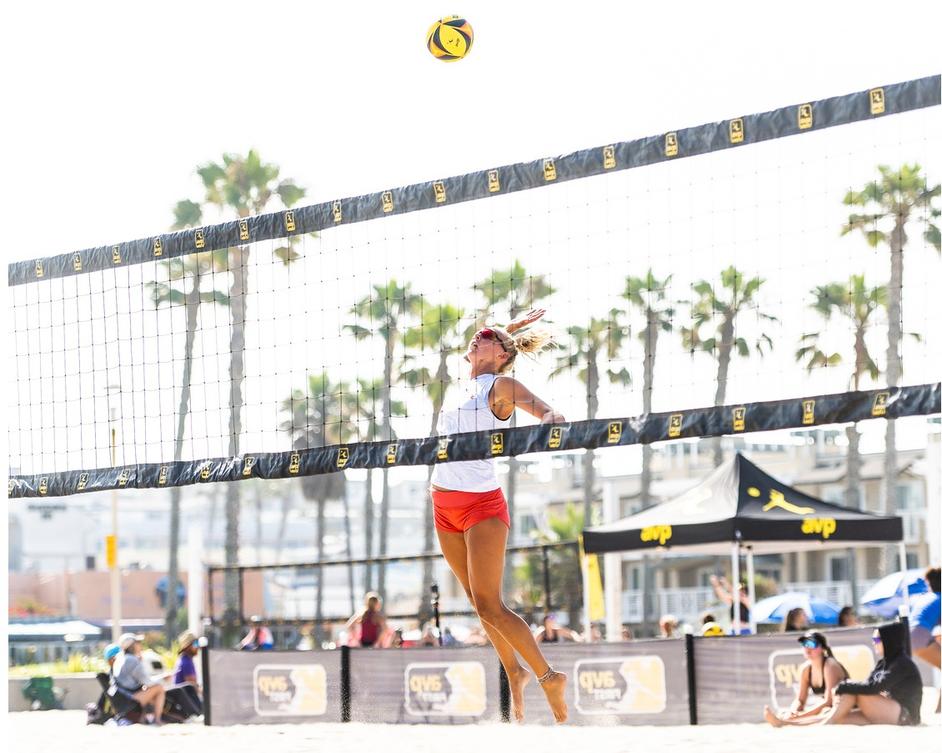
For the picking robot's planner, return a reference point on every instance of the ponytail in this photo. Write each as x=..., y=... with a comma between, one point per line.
x=528, y=340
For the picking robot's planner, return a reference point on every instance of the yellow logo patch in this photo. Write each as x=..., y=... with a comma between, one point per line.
x=614, y=432
x=493, y=181
x=879, y=404
x=877, y=102
x=39, y=268
x=442, y=453
x=439, y=188
x=555, y=437
x=116, y=254
x=549, y=169
x=248, y=463
x=158, y=247
x=675, y=424
x=162, y=475
x=199, y=239
x=807, y=412
x=739, y=418
x=124, y=477
x=736, y=131
x=343, y=457
x=294, y=464
x=391, y=452
x=824, y=527
x=670, y=145
x=660, y=534
x=82, y=482
x=243, y=230
x=387, y=198
x=497, y=443
x=43, y=485
x=77, y=262
x=608, y=157
x=805, y=116
x=289, y=221
x=337, y=211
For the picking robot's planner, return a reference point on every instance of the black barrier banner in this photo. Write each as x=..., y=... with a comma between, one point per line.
x=274, y=687
x=793, y=413
x=430, y=685
x=738, y=675
x=639, y=682
x=735, y=133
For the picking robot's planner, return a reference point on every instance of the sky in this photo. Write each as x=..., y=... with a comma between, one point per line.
x=111, y=108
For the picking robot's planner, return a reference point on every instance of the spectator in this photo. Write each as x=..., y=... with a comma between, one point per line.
x=847, y=617
x=186, y=692
x=707, y=617
x=259, y=637
x=626, y=633
x=131, y=676
x=724, y=592
x=820, y=674
x=668, y=625
x=111, y=654
x=924, y=618
x=796, y=619
x=552, y=632
x=448, y=639
x=371, y=620
x=892, y=694
x=712, y=630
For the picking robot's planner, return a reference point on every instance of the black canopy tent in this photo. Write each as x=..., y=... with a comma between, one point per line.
x=740, y=506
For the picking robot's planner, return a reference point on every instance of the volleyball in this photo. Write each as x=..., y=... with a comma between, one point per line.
x=450, y=38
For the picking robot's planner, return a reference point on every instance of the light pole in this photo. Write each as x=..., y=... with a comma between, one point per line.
x=111, y=541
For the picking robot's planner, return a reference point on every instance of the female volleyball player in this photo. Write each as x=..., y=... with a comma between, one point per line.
x=471, y=514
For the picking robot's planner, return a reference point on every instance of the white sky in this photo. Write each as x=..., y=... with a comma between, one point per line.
x=109, y=109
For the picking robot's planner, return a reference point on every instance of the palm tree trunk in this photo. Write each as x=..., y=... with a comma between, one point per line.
x=258, y=522
x=387, y=436
x=319, y=596
x=893, y=369
x=349, y=539
x=368, y=529
x=650, y=350
x=853, y=501
x=173, y=565
x=722, y=377
x=592, y=409
x=237, y=296
x=282, y=525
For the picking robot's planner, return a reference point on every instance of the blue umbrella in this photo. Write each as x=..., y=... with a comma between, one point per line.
x=884, y=597
x=775, y=608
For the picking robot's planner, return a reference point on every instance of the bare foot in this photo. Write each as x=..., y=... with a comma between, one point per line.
x=771, y=718
x=555, y=689
x=517, y=681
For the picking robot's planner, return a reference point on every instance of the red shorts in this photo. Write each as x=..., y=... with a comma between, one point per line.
x=456, y=512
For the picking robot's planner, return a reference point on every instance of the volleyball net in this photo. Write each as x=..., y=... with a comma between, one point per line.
x=712, y=280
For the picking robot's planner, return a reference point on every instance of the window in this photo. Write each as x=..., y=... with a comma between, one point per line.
x=838, y=568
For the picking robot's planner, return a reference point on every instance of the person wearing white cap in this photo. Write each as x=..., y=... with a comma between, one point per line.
x=130, y=676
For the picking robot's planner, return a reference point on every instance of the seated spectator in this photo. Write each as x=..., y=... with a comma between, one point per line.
x=259, y=637
x=892, y=694
x=552, y=632
x=626, y=633
x=925, y=615
x=820, y=674
x=796, y=619
x=448, y=639
x=186, y=692
x=371, y=621
x=131, y=676
x=847, y=617
x=668, y=625
x=707, y=617
x=111, y=654
x=429, y=635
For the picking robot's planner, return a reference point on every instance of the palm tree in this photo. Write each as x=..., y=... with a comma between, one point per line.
x=368, y=421
x=857, y=303
x=317, y=418
x=174, y=292
x=711, y=311
x=387, y=311
x=648, y=295
x=519, y=291
x=601, y=338
x=897, y=196
x=439, y=331
x=246, y=186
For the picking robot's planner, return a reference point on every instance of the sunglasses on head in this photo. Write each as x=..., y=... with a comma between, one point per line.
x=876, y=639
x=488, y=334
x=810, y=643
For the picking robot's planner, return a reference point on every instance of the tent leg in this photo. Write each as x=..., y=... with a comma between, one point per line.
x=751, y=575
x=612, y=569
x=586, y=612
x=902, y=566
x=734, y=587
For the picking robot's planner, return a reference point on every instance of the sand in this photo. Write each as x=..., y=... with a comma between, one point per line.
x=66, y=732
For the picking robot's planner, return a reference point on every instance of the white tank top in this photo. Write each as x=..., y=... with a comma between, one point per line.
x=474, y=414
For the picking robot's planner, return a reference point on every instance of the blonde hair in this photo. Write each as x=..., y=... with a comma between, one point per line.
x=528, y=340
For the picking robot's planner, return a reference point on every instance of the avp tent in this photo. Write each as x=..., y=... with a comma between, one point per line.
x=740, y=506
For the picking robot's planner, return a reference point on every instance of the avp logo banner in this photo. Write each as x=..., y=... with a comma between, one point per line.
x=621, y=685
x=445, y=688
x=785, y=670
x=290, y=690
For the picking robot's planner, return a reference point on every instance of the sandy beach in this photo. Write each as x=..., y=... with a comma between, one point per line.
x=66, y=731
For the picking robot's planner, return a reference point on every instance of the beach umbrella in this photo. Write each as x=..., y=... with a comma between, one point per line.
x=775, y=608
x=884, y=597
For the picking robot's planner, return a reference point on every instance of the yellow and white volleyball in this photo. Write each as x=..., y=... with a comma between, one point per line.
x=450, y=38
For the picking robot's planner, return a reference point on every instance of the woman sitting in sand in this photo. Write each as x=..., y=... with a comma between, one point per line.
x=820, y=674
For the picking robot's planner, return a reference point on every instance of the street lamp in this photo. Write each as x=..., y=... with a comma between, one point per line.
x=111, y=541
